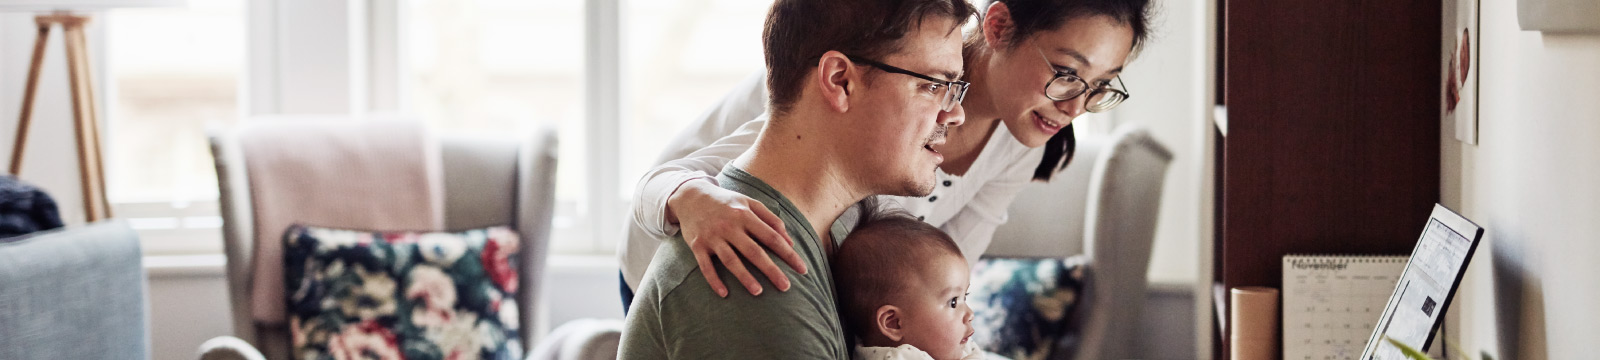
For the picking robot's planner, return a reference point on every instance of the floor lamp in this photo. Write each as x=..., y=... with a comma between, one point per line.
x=86, y=118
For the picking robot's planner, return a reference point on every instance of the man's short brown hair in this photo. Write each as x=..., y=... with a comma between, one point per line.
x=798, y=32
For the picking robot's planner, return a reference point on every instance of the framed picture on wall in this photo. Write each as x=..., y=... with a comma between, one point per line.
x=1460, y=66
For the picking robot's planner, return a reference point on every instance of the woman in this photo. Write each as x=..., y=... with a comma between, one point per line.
x=1034, y=65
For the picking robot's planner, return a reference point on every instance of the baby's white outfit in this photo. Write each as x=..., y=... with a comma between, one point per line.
x=969, y=351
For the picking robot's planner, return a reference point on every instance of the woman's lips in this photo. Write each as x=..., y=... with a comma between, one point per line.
x=1044, y=125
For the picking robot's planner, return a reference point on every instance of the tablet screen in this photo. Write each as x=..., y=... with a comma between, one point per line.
x=1426, y=285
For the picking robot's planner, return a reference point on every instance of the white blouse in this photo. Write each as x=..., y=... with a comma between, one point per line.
x=968, y=207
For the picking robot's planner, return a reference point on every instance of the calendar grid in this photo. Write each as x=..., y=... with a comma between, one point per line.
x=1331, y=302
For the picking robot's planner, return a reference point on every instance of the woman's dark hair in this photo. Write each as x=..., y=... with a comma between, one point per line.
x=1058, y=153
x=1032, y=16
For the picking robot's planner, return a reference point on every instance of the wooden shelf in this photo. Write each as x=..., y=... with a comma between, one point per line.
x=1332, y=139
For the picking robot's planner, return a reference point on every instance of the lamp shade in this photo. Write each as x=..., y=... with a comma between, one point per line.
x=82, y=5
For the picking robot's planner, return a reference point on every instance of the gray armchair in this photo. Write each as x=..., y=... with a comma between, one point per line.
x=1110, y=198
x=74, y=293
x=485, y=182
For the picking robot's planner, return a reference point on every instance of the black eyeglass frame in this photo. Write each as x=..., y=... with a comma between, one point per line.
x=1120, y=90
x=955, y=90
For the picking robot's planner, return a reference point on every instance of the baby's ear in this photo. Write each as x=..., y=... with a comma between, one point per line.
x=888, y=320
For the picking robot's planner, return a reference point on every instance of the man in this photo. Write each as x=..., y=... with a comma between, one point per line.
x=859, y=92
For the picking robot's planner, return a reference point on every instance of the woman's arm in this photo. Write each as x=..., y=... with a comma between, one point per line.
x=716, y=223
x=700, y=152
x=658, y=186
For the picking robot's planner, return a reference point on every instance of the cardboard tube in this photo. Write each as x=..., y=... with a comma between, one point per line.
x=1254, y=323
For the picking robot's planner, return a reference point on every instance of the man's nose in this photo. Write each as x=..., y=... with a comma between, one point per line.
x=955, y=117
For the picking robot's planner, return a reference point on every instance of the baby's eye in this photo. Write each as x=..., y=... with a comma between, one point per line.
x=953, y=301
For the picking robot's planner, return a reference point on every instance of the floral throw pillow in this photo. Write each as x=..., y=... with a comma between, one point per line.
x=1021, y=307
x=402, y=295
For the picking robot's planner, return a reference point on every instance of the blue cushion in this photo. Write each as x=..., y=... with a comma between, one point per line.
x=1022, y=307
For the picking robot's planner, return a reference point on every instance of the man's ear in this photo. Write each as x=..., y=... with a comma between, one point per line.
x=888, y=320
x=997, y=26
x=836, y=75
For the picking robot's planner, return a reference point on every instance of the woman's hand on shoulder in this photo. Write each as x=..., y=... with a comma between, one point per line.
x=725, y=224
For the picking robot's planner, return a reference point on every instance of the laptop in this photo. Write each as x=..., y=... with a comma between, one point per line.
x=1426, y=285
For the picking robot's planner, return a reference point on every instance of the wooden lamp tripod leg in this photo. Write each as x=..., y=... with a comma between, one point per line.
x=28, y=93
x=88, y=122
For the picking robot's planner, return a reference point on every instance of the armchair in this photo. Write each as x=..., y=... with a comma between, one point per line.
x=484, y=182
x=1109, y=198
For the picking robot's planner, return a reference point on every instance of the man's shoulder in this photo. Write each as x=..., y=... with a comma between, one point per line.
x=676, y=282
x=672, y=265
x=736, y=179
x=686, y=318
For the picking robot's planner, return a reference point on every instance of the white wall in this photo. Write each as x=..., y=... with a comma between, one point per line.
x=1533, y=183
x=187, y=307
x=1170, y=95
x=1171, y=85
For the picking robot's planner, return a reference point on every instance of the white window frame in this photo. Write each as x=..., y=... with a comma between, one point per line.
x=345, y=57
x=603, y=135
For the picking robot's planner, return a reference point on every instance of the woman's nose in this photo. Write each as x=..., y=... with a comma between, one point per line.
x=1073, y=107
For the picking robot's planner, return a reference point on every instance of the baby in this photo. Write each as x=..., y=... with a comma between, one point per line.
x=902, y=290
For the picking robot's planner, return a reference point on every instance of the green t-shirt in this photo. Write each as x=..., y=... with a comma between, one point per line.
x=675, y=315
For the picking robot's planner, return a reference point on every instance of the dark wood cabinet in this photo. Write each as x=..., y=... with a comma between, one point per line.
x=1332, y=144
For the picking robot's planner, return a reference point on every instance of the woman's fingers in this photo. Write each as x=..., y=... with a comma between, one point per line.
x=758, y=258
x=710, y=272
x=778, y=243
x=738, y=225
x=730, y=259
x=772, y=220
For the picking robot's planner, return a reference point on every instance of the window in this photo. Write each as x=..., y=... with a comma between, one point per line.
x=680, y=58
x=172, y=71
x=504, y=66
x=464, y=67
x=496, y=65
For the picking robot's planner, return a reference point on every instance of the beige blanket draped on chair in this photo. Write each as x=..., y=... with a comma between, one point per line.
x=368, y=175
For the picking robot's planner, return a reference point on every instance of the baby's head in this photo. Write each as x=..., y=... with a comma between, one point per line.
x=902, y=281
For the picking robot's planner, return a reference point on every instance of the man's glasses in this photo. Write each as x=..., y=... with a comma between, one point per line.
x=952, y=91
x=1067, y=86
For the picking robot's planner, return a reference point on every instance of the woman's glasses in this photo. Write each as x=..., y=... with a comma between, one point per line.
x=1067, y=86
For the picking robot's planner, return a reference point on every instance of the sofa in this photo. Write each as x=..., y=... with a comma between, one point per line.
x=74, y=293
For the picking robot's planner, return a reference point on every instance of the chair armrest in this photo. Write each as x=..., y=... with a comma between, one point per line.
x=582, y=339
x=229, y=348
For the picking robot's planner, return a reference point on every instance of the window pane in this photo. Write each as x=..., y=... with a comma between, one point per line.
x=172, y=71
x=503, y=67
x=680, y=58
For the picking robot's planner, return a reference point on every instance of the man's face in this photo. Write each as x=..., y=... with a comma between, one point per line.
x=900, y=116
